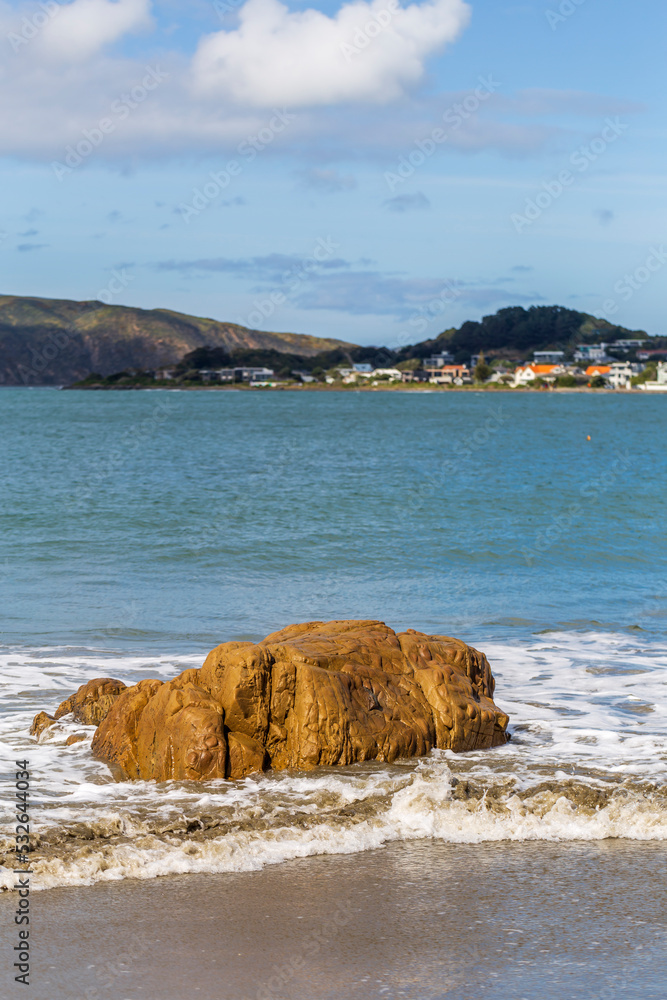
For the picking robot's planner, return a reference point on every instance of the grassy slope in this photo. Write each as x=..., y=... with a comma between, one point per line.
x=55, y=341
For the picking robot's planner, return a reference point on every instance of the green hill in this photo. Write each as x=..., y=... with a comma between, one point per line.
x=517, y=332
x=57, y=341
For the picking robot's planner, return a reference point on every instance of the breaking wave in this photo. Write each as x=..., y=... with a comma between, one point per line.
x=587, y=761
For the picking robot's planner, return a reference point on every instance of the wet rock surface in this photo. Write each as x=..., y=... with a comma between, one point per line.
x=316, y=694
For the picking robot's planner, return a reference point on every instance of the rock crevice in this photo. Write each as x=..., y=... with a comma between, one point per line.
x=316, y=694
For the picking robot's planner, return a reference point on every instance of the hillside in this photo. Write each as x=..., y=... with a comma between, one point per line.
x=57, y=341
x=516, y=332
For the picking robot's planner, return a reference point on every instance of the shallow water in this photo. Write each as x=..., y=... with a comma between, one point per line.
x=141, y=529
x=417, y=921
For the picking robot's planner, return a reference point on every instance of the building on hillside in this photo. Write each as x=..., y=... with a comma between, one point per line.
x=363, y=369
x=438, y=360
x=591, y=353
x=652, y=355
x=165, y=374
x=627, y=345
x=660, y=383
x=548, y=357
x=391, y=373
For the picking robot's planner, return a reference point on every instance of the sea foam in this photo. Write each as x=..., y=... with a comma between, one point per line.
x=587, y=761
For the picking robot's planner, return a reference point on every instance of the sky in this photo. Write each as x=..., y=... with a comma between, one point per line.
x=375, y=171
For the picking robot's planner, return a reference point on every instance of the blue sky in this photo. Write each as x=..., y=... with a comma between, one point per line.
x=372, y=171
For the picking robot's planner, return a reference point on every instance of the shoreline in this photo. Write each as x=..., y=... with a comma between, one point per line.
x=419, y=921
x=425, y=387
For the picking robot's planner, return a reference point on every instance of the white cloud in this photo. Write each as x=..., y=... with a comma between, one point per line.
x=47, y=104
x=77, y=31
x=369, y=51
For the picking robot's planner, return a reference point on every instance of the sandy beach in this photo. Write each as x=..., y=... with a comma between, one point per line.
x=421, y=921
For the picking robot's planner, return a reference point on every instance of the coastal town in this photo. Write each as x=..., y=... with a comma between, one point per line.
x=596, y=366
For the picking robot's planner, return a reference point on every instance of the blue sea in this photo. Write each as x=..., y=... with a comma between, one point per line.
x=142, y=528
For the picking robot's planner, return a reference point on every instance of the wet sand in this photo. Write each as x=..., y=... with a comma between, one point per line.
x=524, y=921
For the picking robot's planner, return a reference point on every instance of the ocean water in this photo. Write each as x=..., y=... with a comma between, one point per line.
x=140, y=529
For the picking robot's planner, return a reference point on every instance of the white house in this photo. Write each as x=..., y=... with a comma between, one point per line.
x=660, y=385
x=261, y=376
x=357, y=371
x=620, y=374
x=392, y=373
x=528, y=373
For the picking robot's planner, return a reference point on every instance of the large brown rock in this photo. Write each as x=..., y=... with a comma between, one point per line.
x=323, y=693
x=41, y=722
x=89, y=705
x=92, y=701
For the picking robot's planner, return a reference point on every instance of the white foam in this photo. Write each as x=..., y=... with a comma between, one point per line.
x=588, y=760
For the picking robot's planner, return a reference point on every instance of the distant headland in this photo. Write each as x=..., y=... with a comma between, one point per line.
x=91, y=345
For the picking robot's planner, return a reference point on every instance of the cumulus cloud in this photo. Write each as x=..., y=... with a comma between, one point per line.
x=47, y=105
x=369, y=51
x=79, y=30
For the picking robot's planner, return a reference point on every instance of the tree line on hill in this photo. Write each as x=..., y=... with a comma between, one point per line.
x=514, y=333
x=511, y=334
